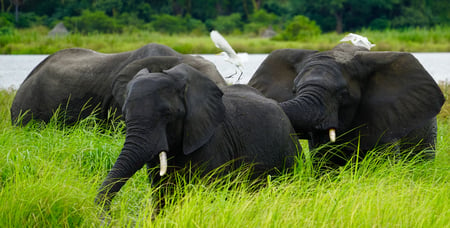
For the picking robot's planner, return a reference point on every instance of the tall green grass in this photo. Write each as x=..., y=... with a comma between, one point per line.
x=36, y=41
x=49, y=176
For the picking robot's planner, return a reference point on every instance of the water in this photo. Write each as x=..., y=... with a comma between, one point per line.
x=15, y=68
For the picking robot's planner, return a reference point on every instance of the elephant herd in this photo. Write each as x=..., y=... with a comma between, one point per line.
x=178, y=109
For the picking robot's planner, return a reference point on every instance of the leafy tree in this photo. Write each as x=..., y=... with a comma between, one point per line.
x=227, y=24
x=321, y=8
x=205, y=10
x=411, y=17
x=111, y=7
x=30, y=19
x=337, y=15
x=145, y=11
x=440, y=11
x=2, y=5
x=17, y=3
x=56, y=10
x=299, y=28
x=168, y=24
x=6, y=20
x=380, y=23
x=89, y=21
x=130, y=21
x=263, y=17
x=259, y=21
x=195, y=26
x=6, y=23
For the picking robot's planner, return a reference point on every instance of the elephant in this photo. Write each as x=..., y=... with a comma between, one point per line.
x=81, y=81
x=367, y=98
x=182, y=115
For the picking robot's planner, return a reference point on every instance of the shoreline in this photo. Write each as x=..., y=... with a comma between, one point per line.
x=36, y=41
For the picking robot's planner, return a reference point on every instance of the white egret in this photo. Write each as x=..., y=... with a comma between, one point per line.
x=358, y=40
x=231, y=56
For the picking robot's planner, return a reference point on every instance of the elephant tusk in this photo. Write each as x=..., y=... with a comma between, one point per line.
x=163, y=163
x=332, y=134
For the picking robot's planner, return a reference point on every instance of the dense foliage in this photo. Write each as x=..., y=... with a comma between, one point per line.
x=49, y=176
x=230, y=16
x=37, y=41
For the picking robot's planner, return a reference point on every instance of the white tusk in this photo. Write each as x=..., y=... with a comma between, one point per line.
x=163, y=163
x=332, y=134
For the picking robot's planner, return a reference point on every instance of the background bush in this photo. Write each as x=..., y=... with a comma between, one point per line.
x=259, y=21
x=227, y=24
x=166, y=23
x=88, y=22
x=231, y=16
x=299, y=28
x=6, y=23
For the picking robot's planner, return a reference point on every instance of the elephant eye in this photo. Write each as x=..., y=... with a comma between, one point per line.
x=344, y=94
x=165, y=111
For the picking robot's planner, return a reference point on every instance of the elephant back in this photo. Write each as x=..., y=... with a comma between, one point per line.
x=206, y=67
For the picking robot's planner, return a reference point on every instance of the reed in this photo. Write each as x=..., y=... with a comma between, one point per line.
x=36, y=41
x=49, y=176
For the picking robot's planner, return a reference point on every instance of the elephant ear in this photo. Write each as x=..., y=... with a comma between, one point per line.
x=275, y=76
x=399, y=95
x=204, y=107
x=152, y=64
x=206, y=67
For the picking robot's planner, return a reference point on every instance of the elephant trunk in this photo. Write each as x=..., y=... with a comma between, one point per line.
x=127, y=164
x=303, y=113
x=140, y=147
x=309, y=112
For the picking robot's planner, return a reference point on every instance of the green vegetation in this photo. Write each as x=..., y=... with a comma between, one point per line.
x=117, y=25
x=226, y=16
x=49, y=176
x=36, y=41
x=299, y=28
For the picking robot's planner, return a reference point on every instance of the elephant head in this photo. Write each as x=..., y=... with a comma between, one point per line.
x=175, y=111
x=380, y=96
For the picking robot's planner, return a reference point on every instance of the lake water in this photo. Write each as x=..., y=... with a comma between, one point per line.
x=15, y=68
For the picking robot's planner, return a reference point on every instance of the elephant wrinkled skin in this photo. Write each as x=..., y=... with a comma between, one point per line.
x=365, y=98
x=183, y=113
x=79, y=81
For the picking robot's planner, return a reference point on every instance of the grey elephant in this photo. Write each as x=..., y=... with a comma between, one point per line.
x=81, y=81
x=364, y=98
x=182, y=115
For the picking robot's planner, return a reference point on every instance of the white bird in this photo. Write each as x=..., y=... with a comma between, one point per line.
x=358, y=40
x=229, y=53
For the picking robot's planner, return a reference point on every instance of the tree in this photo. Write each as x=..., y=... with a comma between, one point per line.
x=111, y=7
x=17, y=3
x=89, y=21
x=299, y=28
x=259, y=21
x=337, y=15
x=227, y=24
x=334, y=8
x=2, y=3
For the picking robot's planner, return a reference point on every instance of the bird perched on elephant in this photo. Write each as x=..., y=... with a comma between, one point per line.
x=80, y=81
x=354, y=94
x=182, y=115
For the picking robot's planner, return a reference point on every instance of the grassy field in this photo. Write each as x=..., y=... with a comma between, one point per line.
x=36, y=41
x=49, y=177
